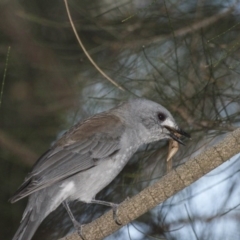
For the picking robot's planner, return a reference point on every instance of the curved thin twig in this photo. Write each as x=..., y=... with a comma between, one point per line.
x=85, y=51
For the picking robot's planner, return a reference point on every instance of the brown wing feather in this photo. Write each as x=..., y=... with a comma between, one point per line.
x=77, y=150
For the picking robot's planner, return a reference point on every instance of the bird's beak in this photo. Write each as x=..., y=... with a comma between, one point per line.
x=176, y=133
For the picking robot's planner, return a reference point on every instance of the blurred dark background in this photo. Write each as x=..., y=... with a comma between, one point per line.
x=182, y=54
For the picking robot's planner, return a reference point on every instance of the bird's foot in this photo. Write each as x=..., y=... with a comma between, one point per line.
x=114, y=207
x=78, y=228
x=115, y=214
x=76, y=224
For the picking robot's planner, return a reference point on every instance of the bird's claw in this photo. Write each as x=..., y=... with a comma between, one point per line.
x=78, y=228
x=115, y=212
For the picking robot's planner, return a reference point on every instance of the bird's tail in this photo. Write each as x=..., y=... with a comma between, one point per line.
x=27, y=228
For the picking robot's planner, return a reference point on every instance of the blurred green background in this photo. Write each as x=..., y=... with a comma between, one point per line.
x=182, y=54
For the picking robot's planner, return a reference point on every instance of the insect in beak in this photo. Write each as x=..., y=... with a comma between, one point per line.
x=176, y=133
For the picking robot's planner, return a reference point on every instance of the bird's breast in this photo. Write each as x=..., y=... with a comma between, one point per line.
x=88, y=183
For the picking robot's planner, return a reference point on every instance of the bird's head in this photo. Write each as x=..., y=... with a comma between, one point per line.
x=153, y=121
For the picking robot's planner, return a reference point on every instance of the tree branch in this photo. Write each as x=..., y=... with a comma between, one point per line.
x=166, y=187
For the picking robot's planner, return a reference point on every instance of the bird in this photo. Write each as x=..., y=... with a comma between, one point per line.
x=88, y=157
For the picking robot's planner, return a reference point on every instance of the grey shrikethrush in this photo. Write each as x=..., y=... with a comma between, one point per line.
x=88, y=157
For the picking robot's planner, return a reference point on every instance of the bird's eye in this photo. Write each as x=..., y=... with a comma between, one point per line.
x=161, y=116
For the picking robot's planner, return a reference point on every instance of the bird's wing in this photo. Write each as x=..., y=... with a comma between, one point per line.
x=77, y=150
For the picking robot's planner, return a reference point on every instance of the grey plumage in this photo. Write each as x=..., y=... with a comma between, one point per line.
x=88, y=157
